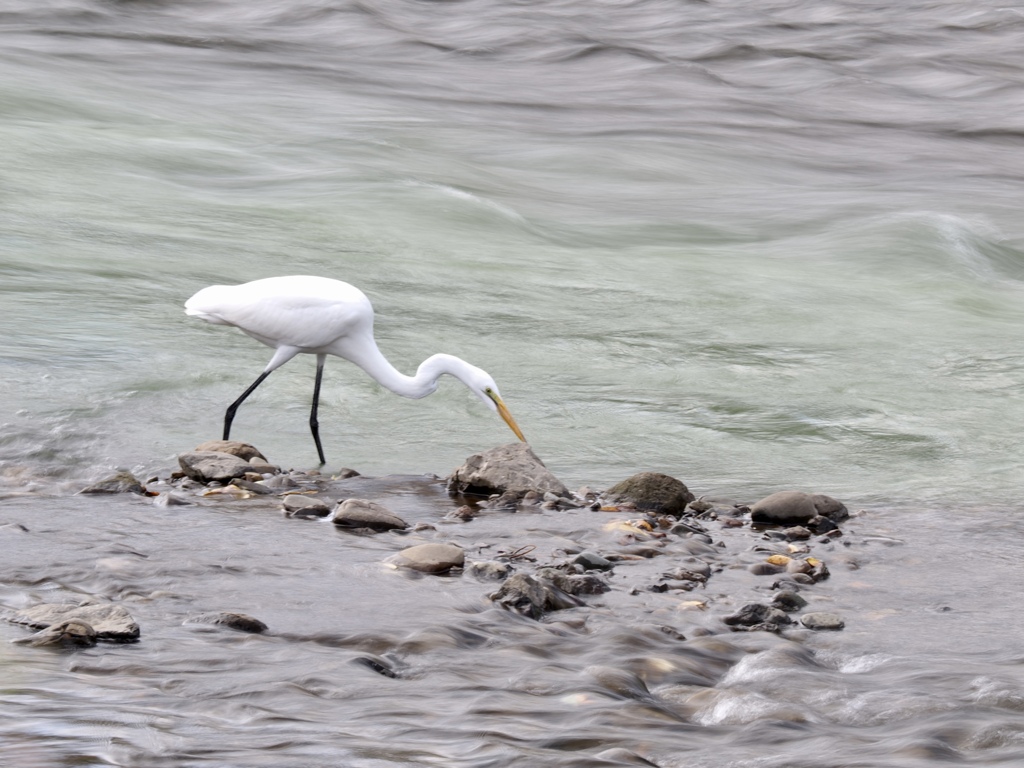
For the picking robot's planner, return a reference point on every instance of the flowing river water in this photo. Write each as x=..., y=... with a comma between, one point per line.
x=756, y=246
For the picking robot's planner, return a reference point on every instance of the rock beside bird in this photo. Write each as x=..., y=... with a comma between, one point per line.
x=210, y=466
x=512, y=468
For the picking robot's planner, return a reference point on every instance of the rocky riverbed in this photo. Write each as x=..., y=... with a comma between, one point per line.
x=695, y=566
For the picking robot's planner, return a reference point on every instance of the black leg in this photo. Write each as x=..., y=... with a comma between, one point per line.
x=229, y=416
x=314, y=425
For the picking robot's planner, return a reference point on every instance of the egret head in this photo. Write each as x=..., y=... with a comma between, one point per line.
x=483, y=386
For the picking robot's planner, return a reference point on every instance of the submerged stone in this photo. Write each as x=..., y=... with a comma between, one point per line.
x=111, y=622
x=531, y=596
x=241, y=622
x=822, y=621
x=297, y=505
x=514, y=468
x=69, y=634
x=120, y=482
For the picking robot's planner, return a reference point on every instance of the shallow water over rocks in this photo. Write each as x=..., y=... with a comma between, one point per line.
x=367, y=665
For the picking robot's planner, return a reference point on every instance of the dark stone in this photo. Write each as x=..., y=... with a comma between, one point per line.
x=305, y=507
x=821, y=524
x=651, y=491
x=121, y=482
x=361, y=513
x=831, y=508
x=241, y=622
x=788, y=601
x=530, y=596
x=756, y=614
x=513, y=467
x=590, y=561
x=489, y=570
x=784, y=508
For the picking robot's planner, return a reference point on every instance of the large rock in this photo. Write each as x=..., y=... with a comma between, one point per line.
x=360, y=513
x=784, y=508
x=242, y=450
x=430, y=558
x=653, y=492
x=513, y=467
x=111, y=622
x=207, y=466
x=242, y=622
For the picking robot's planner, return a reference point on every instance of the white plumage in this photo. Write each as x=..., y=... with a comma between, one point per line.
x=320, y=316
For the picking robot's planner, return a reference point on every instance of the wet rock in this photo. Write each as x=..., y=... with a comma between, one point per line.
x=69, y=634
x=263, y=467
x=489, y=570
x=533, y=597
x=784, y=508
x=653, y=492
x=279, y=483
x=765, y=569
x=430, y=558
x=243, y=451
x=513, y=467
x=831, y=508
x=376, y=664
x=208, y=466
x=168, y=499
x=111, y=622
x=297, y=505
x=590, y=561
x=241, y=622
x=820, y=524
x=619, y=756
x=120, y=482
x=822, y=621
x=797, y=533
x=789, y=601
x=757, y=616
x=574, y=583
x=252, y=486
x=361, y=513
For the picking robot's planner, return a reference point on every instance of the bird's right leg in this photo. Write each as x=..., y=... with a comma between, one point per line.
x=314, y=424
x=229, y=416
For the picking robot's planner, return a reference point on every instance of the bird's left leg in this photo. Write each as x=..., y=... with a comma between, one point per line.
x=314, y=425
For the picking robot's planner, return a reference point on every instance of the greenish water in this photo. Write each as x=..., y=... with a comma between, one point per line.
x=757, y=246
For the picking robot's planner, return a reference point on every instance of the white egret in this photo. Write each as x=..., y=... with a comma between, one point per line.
x=320, y=316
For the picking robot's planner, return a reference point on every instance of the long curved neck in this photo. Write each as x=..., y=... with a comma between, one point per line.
x=424, y=383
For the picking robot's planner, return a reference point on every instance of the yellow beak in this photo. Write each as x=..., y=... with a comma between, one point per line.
x=503, y=412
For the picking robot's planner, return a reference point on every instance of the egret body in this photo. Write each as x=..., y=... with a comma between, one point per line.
x=320, y=316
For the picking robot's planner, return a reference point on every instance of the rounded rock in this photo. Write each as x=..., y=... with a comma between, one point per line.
x=822, y=621
x=652, y=491
x=207, y=466
x=361, y=513
x=430, y=558
x=242, y=450
x=784, y=508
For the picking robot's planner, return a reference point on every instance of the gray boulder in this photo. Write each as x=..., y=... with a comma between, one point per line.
x=784, y=508
x=430, y=558
x=298, y=505
x=208, y=466
x=513, y=467
x=243, y=451
x=361, y=513
x=110, y=621
x=822, y=621
x=651, y=492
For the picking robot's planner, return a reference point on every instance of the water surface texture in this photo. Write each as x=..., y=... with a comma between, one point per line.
x=755, y=245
